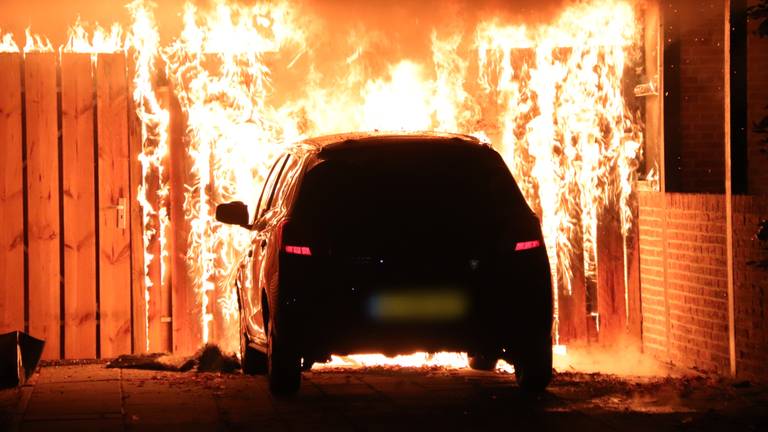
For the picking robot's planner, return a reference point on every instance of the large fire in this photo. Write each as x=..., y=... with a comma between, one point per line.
x=549, y=97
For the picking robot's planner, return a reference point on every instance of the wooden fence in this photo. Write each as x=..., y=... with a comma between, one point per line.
x=71, y=241
x=66, y=199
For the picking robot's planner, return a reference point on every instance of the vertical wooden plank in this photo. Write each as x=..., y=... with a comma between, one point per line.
x=653, y=149
x=43, y=204
x=114, y=206
x=138, y=285
x=728, y=184
x=157, y=330
x=11, y=196
x=187, y=330
x=634, y=306
x=164, y=275
x=160, y=292
x=573, y=304
x=166, y=295
x=79, y=195
x=611, y=302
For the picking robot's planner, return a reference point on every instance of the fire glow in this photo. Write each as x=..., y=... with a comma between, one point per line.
x=548, y=97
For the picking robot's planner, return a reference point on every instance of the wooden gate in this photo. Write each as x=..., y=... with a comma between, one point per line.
x=65, y=203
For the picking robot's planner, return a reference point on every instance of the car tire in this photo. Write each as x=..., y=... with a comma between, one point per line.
x=483, y=362
x=284, y=365
x=533, y=366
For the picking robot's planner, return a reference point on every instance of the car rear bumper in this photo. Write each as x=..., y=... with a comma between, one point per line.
x=342, y=309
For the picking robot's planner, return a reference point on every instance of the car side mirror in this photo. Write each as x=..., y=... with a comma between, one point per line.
x=233, y=213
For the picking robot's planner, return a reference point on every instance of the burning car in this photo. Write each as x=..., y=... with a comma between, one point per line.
x=391, y=243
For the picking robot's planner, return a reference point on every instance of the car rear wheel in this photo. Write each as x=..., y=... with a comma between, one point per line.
x=284, y=364
x=485, y=362
x=533, y=366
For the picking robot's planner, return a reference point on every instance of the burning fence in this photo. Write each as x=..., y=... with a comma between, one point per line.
x=218, y=102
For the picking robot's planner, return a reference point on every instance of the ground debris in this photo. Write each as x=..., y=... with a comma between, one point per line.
x=209, y=358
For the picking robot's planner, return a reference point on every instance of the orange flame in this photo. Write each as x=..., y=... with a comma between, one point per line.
x=102, y=41
x=7, y=44
x=549, y=97
x=217, y=70
x=36, y=43
x=144, y=42
x=566, y=126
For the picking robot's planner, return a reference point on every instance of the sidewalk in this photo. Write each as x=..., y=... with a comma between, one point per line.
x=91, y=397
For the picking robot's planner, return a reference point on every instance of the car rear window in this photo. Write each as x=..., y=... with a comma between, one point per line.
x=429, y=185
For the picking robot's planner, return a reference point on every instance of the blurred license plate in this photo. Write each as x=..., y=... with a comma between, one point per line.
x=434, y=305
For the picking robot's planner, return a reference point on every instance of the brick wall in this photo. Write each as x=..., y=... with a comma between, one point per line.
x=757, y=107
x=697, y=290
x=684, y=281
x=750, y=286
x=653, y=306
x=699, y=165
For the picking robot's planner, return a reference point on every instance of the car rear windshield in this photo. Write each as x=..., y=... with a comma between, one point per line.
x=407, y=186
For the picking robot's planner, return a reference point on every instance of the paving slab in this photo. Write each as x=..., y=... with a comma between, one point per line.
x=78, y=425
x=75, y=400
x=93, y=398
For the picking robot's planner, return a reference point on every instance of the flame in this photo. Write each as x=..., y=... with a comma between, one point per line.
x=557, y=114
x=101, y=41
x=449, y=360
x=216, y=67
x=400, y=103
x=444, y=360
x=144, y=42
x=36, y=43
x=7, y=44
x=566, y=126
x=549, y=97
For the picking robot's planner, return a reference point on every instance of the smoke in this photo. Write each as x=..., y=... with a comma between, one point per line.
x=624, y=357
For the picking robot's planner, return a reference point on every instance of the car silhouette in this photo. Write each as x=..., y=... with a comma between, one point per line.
x=391, y=243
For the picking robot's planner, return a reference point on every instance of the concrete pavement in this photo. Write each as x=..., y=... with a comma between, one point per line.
x=93, y=398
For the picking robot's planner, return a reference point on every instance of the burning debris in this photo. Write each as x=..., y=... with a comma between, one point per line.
x=209, y=358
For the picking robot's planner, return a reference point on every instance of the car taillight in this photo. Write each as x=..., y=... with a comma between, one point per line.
x=298, y=250
x=521, y=246
x=282, y=228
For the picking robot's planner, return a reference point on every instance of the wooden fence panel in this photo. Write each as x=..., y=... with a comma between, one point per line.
x=79, y=195
x=573, y=304
x=611, y=296
x=43, y=200
x=158, y=331
x=138, y=286
x=187, y=327
x=11, y=196
x=114, y=205
x=162, y=272
x=634, y=303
